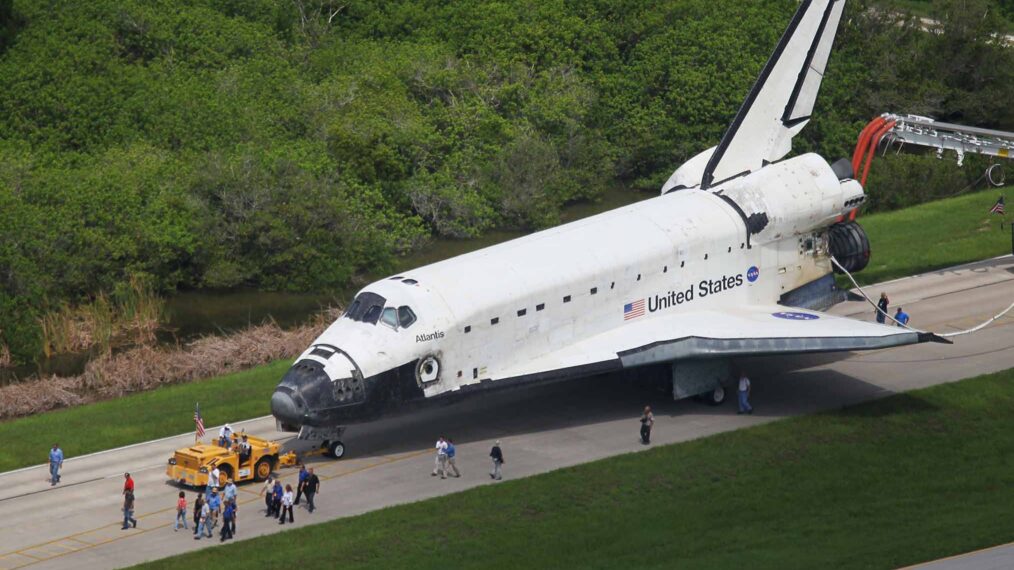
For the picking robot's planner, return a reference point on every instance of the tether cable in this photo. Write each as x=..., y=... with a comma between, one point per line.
x=958, y=333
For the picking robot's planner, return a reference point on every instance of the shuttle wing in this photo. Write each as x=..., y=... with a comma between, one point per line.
x=737, y=331
x=780, y=102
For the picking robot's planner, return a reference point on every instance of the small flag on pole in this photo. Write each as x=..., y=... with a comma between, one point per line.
x=998, y=207
x=198, y=421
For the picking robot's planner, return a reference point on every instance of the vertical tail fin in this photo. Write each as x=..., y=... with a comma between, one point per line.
x=780, y=102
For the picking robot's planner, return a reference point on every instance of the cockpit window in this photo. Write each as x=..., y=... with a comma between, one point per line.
x=372, y=314
x=405, y=316
x=366, y=308
x=390, y=317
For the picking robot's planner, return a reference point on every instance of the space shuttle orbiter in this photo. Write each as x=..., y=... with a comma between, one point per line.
x=716, y=267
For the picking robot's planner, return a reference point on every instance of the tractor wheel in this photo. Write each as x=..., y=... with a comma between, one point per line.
x=263, y=469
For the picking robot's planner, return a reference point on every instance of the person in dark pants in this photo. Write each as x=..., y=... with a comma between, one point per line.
x=647, y=421
x=882, y=308
x=312, y=486
x=286, y=505
x=228, y=519
x=276, y=498
x=198, y=503
x=300, y=483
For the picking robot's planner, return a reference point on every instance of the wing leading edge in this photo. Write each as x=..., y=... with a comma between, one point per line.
x=741, y=331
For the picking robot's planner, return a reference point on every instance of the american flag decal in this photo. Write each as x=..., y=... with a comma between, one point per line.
x=633, y=309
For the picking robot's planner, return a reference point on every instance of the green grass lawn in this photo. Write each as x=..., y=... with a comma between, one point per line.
x=139, y=417
x=909, y=478
x=933, y=235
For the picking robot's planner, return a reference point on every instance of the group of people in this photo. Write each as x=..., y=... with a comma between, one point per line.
x=279, y=501
x=901, y=318
x=208, y=509
x=445, y=463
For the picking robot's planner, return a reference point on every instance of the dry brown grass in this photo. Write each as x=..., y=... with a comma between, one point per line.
x=131, y=316
x=145, y=367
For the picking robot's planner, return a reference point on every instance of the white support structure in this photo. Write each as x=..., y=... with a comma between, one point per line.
x=924, y=131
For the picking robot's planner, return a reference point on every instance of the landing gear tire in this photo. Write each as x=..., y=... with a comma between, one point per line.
x=335, y=449
x=715, y=397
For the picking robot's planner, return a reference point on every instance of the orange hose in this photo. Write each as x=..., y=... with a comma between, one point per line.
x=863, y=141
x=873, y=149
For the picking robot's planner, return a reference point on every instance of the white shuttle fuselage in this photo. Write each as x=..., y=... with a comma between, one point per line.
x=695, y=273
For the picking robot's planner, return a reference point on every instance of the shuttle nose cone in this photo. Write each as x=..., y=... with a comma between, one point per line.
x=285, y=409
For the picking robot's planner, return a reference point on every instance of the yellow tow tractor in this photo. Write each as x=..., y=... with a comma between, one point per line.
x=191, y=465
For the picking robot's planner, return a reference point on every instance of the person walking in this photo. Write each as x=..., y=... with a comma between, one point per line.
x=286, y=505
x=901, y=317
x=55, y=463
x=128, y=510
x=266, y=492
x=214, y=502
x=204, y=528
x=312, y=486
x=451, y=451
x=440, y=462
x=303, y=474
x=230, y=491
x=647, y=421
x=198, y=507
x=744, y=395
x=496, y=454
x=882, y=308
x=128, y=483
x=276, y=498
x=228, y=517
x=181, y=512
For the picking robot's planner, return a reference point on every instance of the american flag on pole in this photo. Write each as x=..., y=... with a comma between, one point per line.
x=998, y=207
x=633, y=309
x=198, y=421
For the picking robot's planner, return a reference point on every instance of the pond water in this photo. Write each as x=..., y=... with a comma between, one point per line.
x=196, y=313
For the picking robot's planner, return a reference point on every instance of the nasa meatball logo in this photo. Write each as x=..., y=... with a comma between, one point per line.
x=794, y=316
x=752, y=274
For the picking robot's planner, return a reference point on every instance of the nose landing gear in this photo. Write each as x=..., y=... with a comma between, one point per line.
x=330, y=438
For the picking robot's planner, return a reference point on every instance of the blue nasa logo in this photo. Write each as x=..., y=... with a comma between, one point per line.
x=752, y=274
x=794, y=316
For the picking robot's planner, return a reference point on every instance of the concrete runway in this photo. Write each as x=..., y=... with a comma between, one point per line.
x=77, y=523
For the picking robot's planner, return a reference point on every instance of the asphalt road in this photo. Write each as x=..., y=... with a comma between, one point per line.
x=77, y=523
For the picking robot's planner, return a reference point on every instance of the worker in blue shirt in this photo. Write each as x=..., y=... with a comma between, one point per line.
x=214, y=505
x=901, y=317
x=301, y=484
x=450, y=458
x=55, y=463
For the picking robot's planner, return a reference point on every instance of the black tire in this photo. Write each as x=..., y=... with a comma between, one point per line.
x=265, y=463
x=225, y=473
x=336, y=449
x=716, y=397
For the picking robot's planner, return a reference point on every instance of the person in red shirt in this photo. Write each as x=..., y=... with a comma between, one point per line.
x=128, y=483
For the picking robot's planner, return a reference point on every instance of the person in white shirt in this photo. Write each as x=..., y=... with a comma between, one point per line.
x=225, y=436
x=744, y=395
x=213, y=477
x=286, y=505
x=440, y=463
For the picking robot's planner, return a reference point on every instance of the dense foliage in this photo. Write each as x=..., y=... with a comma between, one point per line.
x=297, y=144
